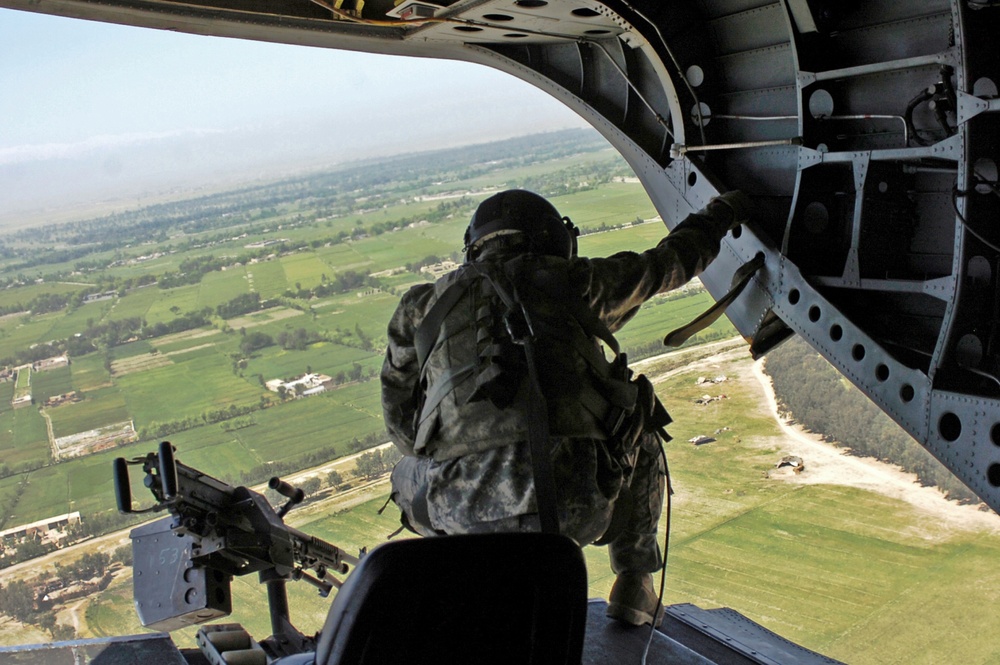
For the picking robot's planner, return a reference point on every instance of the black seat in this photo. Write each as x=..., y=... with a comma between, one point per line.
x=477, y=599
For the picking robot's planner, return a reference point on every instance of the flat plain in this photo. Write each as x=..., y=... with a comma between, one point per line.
x=850, y=572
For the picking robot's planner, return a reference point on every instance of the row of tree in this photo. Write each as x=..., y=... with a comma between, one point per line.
x=337, y=192
x=245, y=303
x=369, y=466
x=812, y=392
x=109, y=334
x=376, y=462
x=27, y=602
x=159, y=430
x=263, y=472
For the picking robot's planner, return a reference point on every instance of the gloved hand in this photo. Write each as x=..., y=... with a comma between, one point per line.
x=739, y=204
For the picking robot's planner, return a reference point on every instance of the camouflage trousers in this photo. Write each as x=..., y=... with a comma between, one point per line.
x=493, y=492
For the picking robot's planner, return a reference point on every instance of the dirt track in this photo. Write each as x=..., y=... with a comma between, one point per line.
x=828, y=464
x=824, y=462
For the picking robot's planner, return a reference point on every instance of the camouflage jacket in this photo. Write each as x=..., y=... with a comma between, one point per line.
x=483, y=442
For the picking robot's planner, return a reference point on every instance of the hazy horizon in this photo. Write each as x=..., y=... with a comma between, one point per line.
x=96, y=113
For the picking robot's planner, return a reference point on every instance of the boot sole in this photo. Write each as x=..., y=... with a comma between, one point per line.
x=635, y=617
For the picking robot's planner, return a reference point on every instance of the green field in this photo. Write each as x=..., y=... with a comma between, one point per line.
x=76, y=321
x=23, y=438
x=268, y=278
x=611, y=204
x=89, y=373
x=219, y=287
x=51, y=382
x=853, y=574
x=333, y=418
x=332, y=358
x=183, y=298
x=105, y=406
x=29, y=292
x=197, y=382
x=136, y=303
x=21, y=331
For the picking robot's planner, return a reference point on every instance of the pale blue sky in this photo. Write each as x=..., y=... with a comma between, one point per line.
x=66, y=79
x=71, y=88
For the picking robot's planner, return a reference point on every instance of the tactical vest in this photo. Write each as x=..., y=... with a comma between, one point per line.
x=474, y=387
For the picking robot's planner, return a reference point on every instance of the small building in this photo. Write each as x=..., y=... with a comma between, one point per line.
x=50, y=363
x=307, y=384
x=97, y=297
x=438, y=269
x=50, y=528
x=65, y=398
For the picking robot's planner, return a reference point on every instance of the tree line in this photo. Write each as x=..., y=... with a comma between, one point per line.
x=812, y=392
x=337, y=192
x=29, y=602
x=104, y=336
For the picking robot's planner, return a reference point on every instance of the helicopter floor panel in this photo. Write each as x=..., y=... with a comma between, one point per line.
x=155, y=648
x=691, y=636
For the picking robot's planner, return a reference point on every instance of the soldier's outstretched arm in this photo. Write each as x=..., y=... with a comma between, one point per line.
x=617, y=285
x=401, y=370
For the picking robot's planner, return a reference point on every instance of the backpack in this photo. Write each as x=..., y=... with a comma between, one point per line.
x=527, y=306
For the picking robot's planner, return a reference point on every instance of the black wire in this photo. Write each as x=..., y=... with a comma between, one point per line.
x=666, y=548
x=955, y=193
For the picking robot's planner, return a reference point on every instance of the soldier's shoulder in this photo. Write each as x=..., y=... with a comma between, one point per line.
x=417, y=293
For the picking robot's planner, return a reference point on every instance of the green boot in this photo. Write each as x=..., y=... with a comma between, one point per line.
x=634, y=601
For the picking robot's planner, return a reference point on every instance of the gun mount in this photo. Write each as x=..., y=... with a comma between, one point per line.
x=183, y=564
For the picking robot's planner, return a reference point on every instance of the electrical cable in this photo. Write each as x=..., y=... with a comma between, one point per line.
x=955, y=193
x=942, y=98
x=981, y=373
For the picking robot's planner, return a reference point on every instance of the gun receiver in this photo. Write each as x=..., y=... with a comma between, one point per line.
x=183, y=564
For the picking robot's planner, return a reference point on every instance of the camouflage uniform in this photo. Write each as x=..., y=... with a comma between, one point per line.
x=470, y=471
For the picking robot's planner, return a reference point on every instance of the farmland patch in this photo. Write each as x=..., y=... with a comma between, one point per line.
x=140, y=363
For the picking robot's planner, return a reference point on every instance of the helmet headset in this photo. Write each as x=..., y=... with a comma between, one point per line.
x=518, y=211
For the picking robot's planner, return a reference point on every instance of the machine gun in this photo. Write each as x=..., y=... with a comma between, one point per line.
x=183, y=565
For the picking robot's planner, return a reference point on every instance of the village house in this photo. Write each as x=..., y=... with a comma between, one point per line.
x=65, y=398
x=49, y=529
x=438, y=269
x=305, y=385
x=50, y=363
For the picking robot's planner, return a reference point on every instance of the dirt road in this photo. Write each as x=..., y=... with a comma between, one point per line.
x=825, y=463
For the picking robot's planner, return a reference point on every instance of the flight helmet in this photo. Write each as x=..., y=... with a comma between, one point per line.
x=518, y=211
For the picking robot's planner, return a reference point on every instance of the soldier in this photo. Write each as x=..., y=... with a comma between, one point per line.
x=509, y=416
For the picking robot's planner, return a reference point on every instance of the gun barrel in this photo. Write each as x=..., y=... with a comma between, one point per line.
x=286, y=490
x=312, y=551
